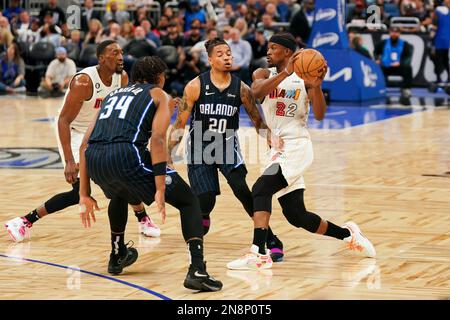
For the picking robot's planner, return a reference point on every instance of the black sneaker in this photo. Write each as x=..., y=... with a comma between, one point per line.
x=276, y=249
x=117, y=263
x=199, y=279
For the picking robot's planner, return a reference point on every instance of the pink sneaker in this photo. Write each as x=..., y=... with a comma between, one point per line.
x=19, y=229
x=148, y=228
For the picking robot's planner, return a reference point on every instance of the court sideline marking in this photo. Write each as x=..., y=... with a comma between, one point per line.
x=154, y=293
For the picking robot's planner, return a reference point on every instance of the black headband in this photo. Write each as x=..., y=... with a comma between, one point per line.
x=283, y=41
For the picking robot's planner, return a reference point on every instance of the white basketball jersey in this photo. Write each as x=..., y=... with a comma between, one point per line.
x=286, y=109
x=99, y=92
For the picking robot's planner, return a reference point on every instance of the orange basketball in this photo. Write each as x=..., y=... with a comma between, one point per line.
x=309, y=63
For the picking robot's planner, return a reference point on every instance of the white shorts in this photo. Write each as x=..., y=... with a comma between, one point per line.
x=76, y=138
x=294, y=161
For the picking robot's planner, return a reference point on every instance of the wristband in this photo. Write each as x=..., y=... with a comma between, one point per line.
x=159, y=169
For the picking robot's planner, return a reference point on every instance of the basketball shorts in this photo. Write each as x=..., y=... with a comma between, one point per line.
x=203, y=175
x=76, y=138
x=121, y=169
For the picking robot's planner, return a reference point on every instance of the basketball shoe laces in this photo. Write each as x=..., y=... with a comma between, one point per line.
x=148, y=222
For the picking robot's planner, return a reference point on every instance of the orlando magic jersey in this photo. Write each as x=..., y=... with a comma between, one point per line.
x=126, y=115
x=215, y=111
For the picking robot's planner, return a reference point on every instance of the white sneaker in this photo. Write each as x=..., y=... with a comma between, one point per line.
x=356, y=241
x=148, y=228
x=252, y=261
x=19, y=229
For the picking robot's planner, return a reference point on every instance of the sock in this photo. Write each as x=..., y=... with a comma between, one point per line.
x=32, y=217
x=140, y=214
x=270, y=235
x=196, y=252
x=259, y=239
x=337, y=232
x=118, y=244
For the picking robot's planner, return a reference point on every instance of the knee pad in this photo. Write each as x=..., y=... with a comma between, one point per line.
x=262, y=197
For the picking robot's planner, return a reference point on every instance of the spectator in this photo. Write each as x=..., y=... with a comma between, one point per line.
x=271, y=10
x=441, y=22
x=194, y=35
x=114, y=34
x=194, y=12
x=302, y=21
x=173, y=37
x=127, y=31
x=32, y=34
x=94, y=35
x=356, y=43
x=12, y=78
x=115, y=14
x=259, y=48
x=149, y=34
x=394, y=55
x=242, y=55
x=74, y=45
x=384, y=16
x=87, y=14
x=57, y=14
x=198, y=51
x=162, y=26
x=13, y=11
x=268, y=25
x=141, y=15
x=6, y=37
x=226, y=18
x=241, y=25
x=59, y=73
x=23, y=24
x=226, y=33
x=139, y=47
x=50, y=32
x=358, y=12
x=168, y=12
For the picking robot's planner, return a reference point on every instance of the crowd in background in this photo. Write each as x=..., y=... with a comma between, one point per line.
x=177, y=33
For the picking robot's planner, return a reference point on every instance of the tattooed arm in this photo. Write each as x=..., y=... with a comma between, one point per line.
x=250, y=106
x=190, y=95
x=249, y=102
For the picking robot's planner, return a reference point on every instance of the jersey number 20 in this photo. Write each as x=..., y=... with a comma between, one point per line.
x=217, y=125
x=115, y=104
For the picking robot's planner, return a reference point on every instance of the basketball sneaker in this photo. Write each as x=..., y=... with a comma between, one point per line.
x=19, y=229
x=276, y=249
x=357, y=242
x=148, y=228
x=252, y=261
x=117, y=263
x=198, y=279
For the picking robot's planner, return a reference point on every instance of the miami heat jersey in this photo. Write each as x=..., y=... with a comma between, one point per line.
x=286, y=111
x=286, y=108
x=99, y=92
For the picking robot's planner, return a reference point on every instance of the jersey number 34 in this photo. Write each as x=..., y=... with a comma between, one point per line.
x=114, y=103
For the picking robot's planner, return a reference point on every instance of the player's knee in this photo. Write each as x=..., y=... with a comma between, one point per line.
x=262, y=198
x=207, y=202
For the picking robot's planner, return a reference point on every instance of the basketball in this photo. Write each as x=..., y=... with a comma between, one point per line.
x=309, y=63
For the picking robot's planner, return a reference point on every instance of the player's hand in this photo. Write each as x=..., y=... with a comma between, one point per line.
x=275, y=141
x=290, y=64
x=311, y=83
x=71, y=172
x=395, y=64
x=87, y=207
x=175, y=103
x=161, y=203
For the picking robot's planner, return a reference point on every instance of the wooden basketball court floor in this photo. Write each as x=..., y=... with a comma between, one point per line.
x=374, y=174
